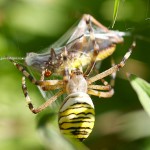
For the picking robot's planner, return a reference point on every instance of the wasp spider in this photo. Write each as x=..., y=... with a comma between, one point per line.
x=76, y=114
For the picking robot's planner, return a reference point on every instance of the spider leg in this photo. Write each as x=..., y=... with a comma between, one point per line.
x=114, y=68
x=96, y=90
x=110, y=92
x=99, y=87
x=44, y=105
x=47, y=85
x=113, y=75
x=101, y=94
x=44, y=84
x=24, y=72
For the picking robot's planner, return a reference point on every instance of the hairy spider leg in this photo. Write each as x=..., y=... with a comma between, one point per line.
x=45, y=85
x=108, y=72
x=95, y=89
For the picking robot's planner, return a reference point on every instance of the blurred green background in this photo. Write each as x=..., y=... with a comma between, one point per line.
x=32, y=25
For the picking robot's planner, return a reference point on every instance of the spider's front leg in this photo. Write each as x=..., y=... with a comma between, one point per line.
x=112, y=71
x=44, y=105
x=45, y=85
x=114, y=68
x=104, y=91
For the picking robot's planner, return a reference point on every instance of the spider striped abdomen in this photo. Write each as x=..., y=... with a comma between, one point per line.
x=77, y=116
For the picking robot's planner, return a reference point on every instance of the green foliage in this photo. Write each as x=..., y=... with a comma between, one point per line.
x=116, y=7
x=142, y=88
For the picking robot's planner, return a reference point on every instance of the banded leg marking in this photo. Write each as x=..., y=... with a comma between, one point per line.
x=43, y=106
x=27, y=97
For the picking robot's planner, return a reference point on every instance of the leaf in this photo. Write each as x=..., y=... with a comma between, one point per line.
x=142, y=88
x=116, y=7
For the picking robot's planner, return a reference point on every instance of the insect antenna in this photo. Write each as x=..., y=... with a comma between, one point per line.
x=12, y=58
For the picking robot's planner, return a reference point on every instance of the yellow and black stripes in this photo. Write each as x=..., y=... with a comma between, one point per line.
x=77, y=120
